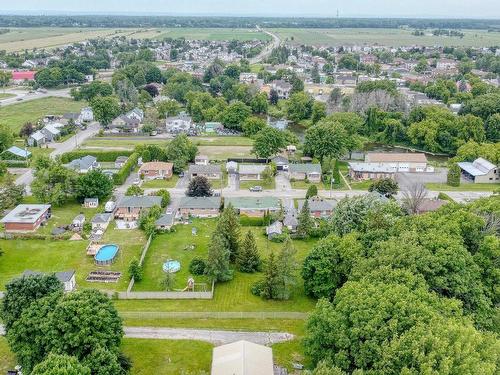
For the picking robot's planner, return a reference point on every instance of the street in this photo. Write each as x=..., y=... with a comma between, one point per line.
x=26, y=96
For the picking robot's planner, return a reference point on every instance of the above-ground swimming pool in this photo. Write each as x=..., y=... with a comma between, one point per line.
x=171, y=266
x=106, y=255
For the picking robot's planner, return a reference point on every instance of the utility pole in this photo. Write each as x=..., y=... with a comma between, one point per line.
x=331, y=183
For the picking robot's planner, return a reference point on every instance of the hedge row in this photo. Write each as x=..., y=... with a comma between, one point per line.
x=102, y=156
x=246, y=221
x=15, y=163
x=120, y=177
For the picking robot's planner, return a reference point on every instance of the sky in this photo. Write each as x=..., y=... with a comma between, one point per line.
x=324, y=8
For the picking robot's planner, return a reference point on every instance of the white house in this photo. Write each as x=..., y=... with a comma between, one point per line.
x=179, y=124
x=86, y=114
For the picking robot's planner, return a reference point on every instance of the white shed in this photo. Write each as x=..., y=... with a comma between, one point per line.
x=242, y=358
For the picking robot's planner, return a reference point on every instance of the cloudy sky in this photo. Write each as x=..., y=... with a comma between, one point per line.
x=325, y=8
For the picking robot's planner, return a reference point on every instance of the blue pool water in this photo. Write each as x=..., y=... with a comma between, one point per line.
x=106, y=253
x=171, y=266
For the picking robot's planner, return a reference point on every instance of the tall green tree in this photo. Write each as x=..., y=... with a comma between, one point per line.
x=248, y=259
x=105, y=109
x=326, y=139
x=94, y=184
x=268, y=142
x=268, y=287
x=180, y=151
x=306, y=223
x=287, y=269
x=228, y=226
x=199, y=186
x=217, y=267
x=60, y=364
x=6, y=138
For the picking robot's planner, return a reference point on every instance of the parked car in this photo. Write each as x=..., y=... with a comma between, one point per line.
x=256, y=189
x=137, y=182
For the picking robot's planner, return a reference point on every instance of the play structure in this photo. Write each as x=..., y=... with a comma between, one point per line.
x=192, y=286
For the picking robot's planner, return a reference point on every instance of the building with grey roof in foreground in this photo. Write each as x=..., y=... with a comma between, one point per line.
x=480, y=171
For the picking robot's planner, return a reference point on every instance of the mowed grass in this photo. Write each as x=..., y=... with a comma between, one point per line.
x=387, y=37
x=7, y=359
x=463, y=187
x=234, y=295
x=57, y=255
x=16, y=115
x=168, y=357
x=6, y=95
x=161, y=184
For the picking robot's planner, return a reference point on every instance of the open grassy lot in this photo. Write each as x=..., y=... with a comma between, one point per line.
x=168, y=357
x=161, y=184
x=388, y=37
x=234, y=295
x=222, y=153
x=213, y=34
x=7, y=360
x=5, y=95
x=463, y=187
x=53, y=256
x=222, y=141
x=16, y=115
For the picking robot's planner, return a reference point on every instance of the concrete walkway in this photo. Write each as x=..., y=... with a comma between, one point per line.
x=211, y=336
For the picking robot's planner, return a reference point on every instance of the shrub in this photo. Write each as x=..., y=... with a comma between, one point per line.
x=104, y=156
x=453, y=178
x=247, y=221
x=197, y=266
x=257, y=288
x=135, y=270
x=120, y=177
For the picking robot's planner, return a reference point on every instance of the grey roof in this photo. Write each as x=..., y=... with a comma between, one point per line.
x=253, y=203
x=79, y=217
x=139, y=202
x=19, y=152
x=290, y=219
x=204, y=169
x=478, y=167
x=275, y=228
x=101, y=218
x=83, y=163
x=91, y=200
x=165, y=219
x=252, y=168
x=280, y=160
x=37, y=136
x=200, y=202
x=63, y=277
x=121, y=159
x=372, y=167
x=305, y=168
x=25, y=213
x=318, y=204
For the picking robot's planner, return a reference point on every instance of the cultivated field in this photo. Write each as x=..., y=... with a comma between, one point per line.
x=16, y=115
x=388, y=37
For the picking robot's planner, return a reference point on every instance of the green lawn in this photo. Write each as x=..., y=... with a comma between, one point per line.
x=222, y=153
x=16, y=115
x=222, y=141
x=234, y=295
x=245, y=185
x=463, y=187
x=360, y=185
x=53, y=256
x=7, y=360
x=161, y=184
x=162, y=357
x=6, y=95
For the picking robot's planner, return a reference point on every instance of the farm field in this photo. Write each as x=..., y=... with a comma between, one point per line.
x=388, y=37
x=214, y=34
x=16, y=115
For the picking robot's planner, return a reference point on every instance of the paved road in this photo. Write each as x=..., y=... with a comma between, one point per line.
x=269, y=48
x=26, y=96
x=211, y=336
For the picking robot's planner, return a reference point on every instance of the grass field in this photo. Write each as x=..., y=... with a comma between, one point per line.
x=160, y=184
x=388, y=37
x=7, y=360
x=463, y=187
x=214, y=34
x=16, y=115
x=5, y=95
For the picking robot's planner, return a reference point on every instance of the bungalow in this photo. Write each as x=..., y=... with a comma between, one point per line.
x=124, y=124
x=136, y=113
x=130, y=208
x=254, y=206
x=290, y=220
x=251, y=172
x=120, y=161
x=179, y=124
x=86, y=114
x=101, y=221
x=199, y=206
x=319, y=207
x=275, y=229
x=91, y=202
x=36, y=139
x=67, y=278
x=402, y=162
x=21, y=77
x=78, y=221
x=26, y=217
x=51, y=132
x=165, y=222
x=156, y=170
x=201, y=160
x=281, y=163
x=480, y=171
x=84, y=165
x=283, y=88
x=311, y=172
x=15, y=153
x=248, y=78
x=369, y=171
x=211, y=171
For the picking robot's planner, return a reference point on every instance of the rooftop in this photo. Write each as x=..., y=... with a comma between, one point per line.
x=253, y=203
x=305, y=168
x=26, y=213
x=139, y=202
x=385, y=157
x=19, y=152
x=200, y=202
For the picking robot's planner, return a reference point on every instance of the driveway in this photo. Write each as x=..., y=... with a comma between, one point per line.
x=406, y=180
x=282, y=182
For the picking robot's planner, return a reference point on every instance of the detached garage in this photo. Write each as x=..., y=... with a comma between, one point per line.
x=242, y=358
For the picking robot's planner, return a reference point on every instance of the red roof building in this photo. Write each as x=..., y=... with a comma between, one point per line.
x=23, y=76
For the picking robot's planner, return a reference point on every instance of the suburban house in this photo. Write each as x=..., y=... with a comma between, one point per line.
x=251, y=172
x=248, y=78
x=213, y=127
x=242, y=358
x=211, y=171
x=67, y=278
x=51, y=132
x=26, y=217
x=275, y=229
x=199, y=206
x=311, y=172
x=480, y=171
x=136, y=113
x=84, y=165
x=179, y=124
x=201, y=160
x=254, y=206
x=319, y=207
x=401, y=162
x=291, y=220
x=86, y=114
x=125, y=124
x=283, y=88
x=156, y=170
x=101, y=221
x=120, y=161
x=130, y=208
x=165, y=222
x=78, y=222
x=15, y=153
x=368, y=171
x=24, y=76
x=36, y=139
x=281, y=163
x=91, y=202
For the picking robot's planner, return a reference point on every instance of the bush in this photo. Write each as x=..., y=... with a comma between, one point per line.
x=104, y=156
x=246, y=221
x=197, y=266
x=257, y=288
x=454, y=173
x=444, y=197
x=120, y=177
x=135, y=270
